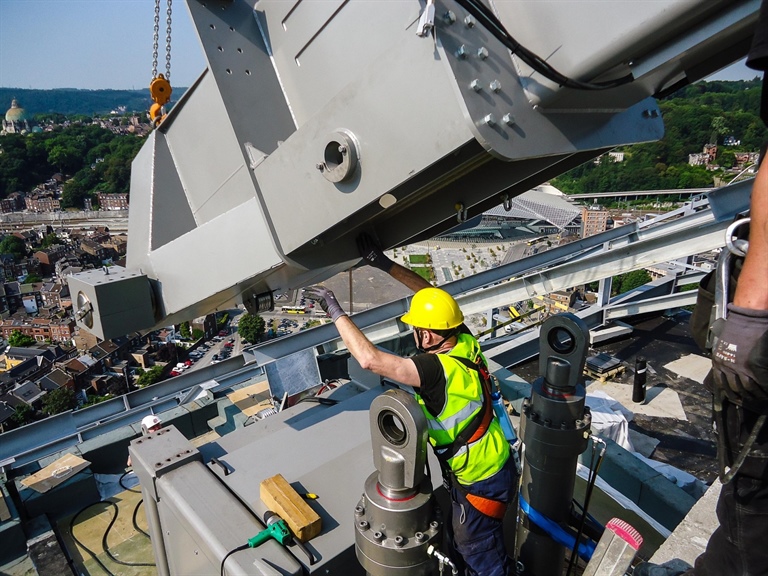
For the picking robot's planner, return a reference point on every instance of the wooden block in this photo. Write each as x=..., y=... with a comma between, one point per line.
x=283, y=500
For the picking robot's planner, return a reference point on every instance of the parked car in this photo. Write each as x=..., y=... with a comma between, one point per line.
x=215, y=357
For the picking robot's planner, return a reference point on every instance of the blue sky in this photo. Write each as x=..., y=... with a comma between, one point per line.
x=92, y=44
x=108, y=44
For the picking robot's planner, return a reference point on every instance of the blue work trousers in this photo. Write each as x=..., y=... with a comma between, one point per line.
x=739, y=545
x=478, y=538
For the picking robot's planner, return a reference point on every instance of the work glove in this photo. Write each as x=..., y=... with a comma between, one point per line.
x=326, y=299
x=740, y=357
x=372, y=253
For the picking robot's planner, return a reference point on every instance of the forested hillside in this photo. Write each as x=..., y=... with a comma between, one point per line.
x=70, y=101
x=95, y=157
x=706, y=112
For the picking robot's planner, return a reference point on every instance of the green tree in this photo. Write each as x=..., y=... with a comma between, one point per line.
x=50, y=240
x=150, y=376
x=19, y=340
x=58, y=401
x=629, y=281
x=13, y=245
x=251, y=327
x=197, y=334
x=184, y=330
x=719, y=128
x=23, y=414
x=32, y=278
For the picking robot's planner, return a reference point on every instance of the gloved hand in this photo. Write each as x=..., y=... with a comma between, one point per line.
x=740, y=357
x=372, y=253
x=326, y=299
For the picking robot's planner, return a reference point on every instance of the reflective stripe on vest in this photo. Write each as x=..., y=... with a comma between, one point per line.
x=463, y=399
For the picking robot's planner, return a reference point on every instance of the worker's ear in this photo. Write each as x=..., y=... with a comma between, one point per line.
x=431, y=338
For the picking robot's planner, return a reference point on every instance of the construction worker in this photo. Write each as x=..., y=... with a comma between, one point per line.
x=739, y=385
x=453, y=389
x=149, y=424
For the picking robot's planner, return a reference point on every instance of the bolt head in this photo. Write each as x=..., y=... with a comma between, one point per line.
x=320, y=166
x=489, y=119
x=508, y=119
x=462, y=52
x=482, y=53
x=495, y=86
x=449, y=17
x=363, y=525
x=475, y=85
x=342, y=149
x=469, y=21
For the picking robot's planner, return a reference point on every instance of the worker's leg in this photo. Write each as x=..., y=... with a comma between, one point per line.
x=478, y=538
x=738, y=545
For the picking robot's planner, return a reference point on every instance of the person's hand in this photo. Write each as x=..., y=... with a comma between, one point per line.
x=740, y=357
x=326, y=299
x=371, y=252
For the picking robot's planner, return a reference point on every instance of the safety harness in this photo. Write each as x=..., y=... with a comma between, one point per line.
x=473, y=432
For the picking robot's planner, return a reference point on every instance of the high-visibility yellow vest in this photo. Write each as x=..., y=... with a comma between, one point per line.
x=463, y=400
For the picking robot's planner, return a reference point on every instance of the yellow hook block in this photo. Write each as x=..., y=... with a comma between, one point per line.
x=156, y=113
x=160, y=90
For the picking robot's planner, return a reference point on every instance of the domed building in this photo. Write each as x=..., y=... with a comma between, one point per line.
x=16, y=120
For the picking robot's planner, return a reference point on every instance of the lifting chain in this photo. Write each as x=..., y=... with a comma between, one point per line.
x=160, y=86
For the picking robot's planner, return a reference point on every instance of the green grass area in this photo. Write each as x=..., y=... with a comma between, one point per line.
x=419, y=259
x=425, y=272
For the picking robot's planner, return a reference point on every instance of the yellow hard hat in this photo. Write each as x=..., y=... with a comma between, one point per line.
x=433, y=309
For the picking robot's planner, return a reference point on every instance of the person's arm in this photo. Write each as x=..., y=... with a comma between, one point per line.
x=408, y=277
x=374, y=256
x=752, y=288
x=740, y=354
x=371, y=358
x=402, y=370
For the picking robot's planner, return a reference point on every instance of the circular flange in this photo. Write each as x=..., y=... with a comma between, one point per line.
x=340, y=157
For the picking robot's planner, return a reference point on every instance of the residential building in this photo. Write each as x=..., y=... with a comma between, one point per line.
x=97, y=252
x=42, y=203
x=29, y=393
x=594, y=219
x=48, y=258
x=205, y=323
x=112, y=201
x=41, y=329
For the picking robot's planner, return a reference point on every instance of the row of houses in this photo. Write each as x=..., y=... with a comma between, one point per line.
x=42, y=199
x=88, y=367
x=28, y=374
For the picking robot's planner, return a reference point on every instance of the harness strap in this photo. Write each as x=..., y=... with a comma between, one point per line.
x=492, y=508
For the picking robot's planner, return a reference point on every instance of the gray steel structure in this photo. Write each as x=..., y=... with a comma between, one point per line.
x=315, y=121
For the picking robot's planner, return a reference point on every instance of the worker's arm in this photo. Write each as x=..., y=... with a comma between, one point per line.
x=401, y=370
x=374, y=256
x=740, y=355
x=408, y=277
x=752, y=288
